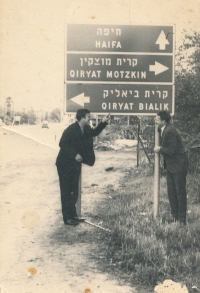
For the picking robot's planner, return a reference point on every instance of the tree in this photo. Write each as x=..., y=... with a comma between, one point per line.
x=24, y=117
x=9, y=111
x=46, y=116
x=32, y=117
x=1, y=113
x=187, y=82
x=55, y=115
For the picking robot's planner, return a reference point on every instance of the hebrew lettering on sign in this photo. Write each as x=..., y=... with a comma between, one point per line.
x=107, y=31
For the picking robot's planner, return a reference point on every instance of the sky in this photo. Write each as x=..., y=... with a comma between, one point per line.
x=32, y=35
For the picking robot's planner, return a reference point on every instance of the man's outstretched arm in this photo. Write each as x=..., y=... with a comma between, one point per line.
x=96, y=131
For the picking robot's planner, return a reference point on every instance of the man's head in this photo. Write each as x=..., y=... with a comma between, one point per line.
x=162, y=118
x=83, y=116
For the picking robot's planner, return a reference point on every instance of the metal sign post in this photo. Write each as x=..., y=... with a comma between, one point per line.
x=156, y=176
x=97, y=120
x=138, y=144
x=78, y=203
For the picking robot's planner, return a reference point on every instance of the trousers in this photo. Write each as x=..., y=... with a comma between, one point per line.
x=176, y=186
x=69, y=178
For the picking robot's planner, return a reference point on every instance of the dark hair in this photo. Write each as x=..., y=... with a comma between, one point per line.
x=164, y=115
x=81, y=113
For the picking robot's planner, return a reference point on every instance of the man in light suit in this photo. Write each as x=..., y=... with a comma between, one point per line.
x=176, y=164
x=76, y=147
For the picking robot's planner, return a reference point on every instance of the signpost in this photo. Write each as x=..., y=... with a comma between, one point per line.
x=121, y=69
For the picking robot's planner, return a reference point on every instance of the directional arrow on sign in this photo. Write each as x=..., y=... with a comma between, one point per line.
x=158, y=68
x=80, y=99
x=162, y=41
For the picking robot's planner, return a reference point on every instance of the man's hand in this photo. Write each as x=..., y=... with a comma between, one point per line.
x=106, y=118
x=157, y=149
x=78, y=158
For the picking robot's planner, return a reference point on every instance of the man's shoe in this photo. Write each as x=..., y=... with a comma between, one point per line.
x=71, y=222
x=77, y=219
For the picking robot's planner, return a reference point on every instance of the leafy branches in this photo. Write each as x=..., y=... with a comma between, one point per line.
x=187, y=81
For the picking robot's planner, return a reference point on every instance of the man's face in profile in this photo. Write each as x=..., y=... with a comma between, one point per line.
x=86, y=119
x=159, y=122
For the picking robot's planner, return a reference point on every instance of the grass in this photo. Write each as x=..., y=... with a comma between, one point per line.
x=147, y=250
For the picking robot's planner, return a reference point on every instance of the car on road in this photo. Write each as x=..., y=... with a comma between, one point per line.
x=45, y=124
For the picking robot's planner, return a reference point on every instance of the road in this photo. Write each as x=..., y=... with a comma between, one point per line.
x=38, y=252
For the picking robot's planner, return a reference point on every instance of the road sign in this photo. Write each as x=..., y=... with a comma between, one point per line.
x=120, y=38
x=124, y=98
x=120, y=69
x=131, y=68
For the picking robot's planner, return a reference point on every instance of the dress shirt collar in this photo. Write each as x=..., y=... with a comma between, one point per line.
x=162, y=129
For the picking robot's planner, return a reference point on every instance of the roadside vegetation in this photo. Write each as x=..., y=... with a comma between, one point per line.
x=149, y=251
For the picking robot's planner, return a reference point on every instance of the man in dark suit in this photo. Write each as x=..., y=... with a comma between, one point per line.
x=76, y=147
x=176, y=164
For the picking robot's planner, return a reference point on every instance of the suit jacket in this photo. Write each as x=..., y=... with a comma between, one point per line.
x=74, y=142
x=175, y=157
